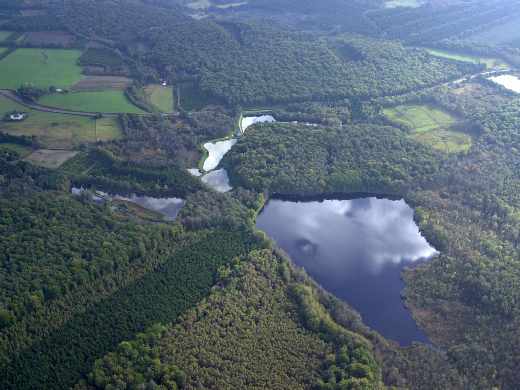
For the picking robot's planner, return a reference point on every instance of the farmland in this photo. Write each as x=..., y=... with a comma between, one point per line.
x=101, y=83
x=40, y=67
x=430, y=126
x=160, y=97
x=96, y=101
x=58, y=130
x=488, y=61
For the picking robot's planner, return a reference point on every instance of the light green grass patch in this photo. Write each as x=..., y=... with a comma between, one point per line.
x=487, y=61
x=22, y=150
x=448, y=141
x=107, y=129
x=161, y=97
x=41, y=68
x=58, y=130
x=4, y=35
x=430, y=126
x=95, y=101
x=419, y=118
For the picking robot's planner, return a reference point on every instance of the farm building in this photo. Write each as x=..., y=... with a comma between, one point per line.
x=16, y=116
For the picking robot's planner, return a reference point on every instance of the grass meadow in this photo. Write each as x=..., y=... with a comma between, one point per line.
x=58, y=130
x=95, y=101
x=430, y=126
x=41, y=68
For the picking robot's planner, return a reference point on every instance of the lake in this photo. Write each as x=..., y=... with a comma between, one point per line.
x=168, y=207
x=508, y=81
x=355, y=249
x=216, y=151
x=218, y=180
x=249, y=121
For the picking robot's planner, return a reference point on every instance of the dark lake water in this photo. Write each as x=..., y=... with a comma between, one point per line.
x=356, y=249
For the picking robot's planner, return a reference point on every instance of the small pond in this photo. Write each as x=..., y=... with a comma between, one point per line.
x=507, y=81
x=248, y=121
x=356, y=249
x=216, y=151
x=218, y=180
x=168, y=207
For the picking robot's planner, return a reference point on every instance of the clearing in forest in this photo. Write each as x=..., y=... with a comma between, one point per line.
x=51, y=159
x=58, y=130
x=430, y=126
x=41, y=68
x=490, y=62
x=159, y=96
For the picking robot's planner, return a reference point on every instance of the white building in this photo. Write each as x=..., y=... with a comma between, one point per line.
x=17, y=116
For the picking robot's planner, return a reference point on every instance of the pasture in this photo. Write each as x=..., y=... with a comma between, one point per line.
x=161, y=97
x=489, y=62
x=51, y=159
x=94, y=101
x=41, y=68
x=101, y=83
x=58, y=130
x=430, y=126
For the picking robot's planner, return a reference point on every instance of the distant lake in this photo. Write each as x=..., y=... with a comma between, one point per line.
x=508, y=81
x=356, y=249
x=169, y=208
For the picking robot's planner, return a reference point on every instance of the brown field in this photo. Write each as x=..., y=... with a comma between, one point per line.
x=48, y=158
x=38, y=38
x=101, y=83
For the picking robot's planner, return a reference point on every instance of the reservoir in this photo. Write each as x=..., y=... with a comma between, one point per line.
x=355, y=249
x=508, y=81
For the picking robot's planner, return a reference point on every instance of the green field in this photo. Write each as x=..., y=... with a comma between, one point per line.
x=160, y=97
x=58, y=130
x=489, y=62
x=3, y=49
x=430, y=126
x=4, y=35
x=40, y=67
x=96, y=101
x=419, y=118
